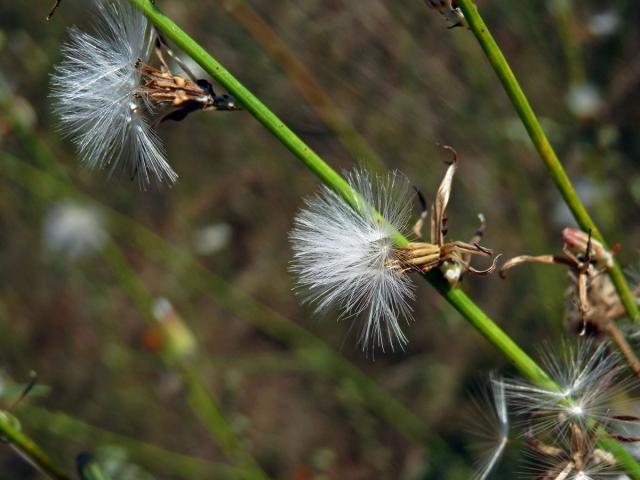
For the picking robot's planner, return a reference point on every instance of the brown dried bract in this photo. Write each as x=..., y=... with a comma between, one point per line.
x=181, y=95
x=595, y=299
x=453, y=258
x=53, y=9
x=450, y=11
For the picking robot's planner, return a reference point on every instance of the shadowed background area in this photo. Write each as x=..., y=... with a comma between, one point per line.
x=106, y=289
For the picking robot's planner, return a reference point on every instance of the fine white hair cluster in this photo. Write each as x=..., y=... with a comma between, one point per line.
x=491, y=423
x=561, y=425
x=591, y=378
x=95, y=92
x=346, y=258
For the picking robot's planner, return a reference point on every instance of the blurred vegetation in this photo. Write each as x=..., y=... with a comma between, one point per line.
x=372, y=81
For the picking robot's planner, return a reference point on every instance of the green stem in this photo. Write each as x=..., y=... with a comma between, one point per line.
x=201, y=402
x=29, y=450
x=308, y=349
x=211, y=417
x=171, y=463
x=331, y=178
x=542, y=144
x=471, y=312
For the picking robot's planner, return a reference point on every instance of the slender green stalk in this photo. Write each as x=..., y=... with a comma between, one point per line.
x=211, y=416
x=542, y=144
x=490, y=330
x=28, y=449
x=306, y=84
x=201, y=402
x=171, y=463
x=469, y=310
x=89, y=468
x=310, y=350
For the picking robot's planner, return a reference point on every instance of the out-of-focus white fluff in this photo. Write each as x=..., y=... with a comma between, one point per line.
x=73, y=230
x=94, y=91
x=344, y=258
x=491, y=428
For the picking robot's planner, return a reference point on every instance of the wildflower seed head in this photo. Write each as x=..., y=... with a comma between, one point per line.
x=580, y=241
x=574, y=457
x=94, y=90
x=592, y=379
x=347, y=259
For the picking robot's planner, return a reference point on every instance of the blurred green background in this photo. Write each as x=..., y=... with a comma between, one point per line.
x=85, y=259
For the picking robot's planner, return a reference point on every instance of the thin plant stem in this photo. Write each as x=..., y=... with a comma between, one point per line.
x=543, y=146
x=306, y=84
x=47, y=180
x=618, y=337
x=563, y=13
x=29, y=450
x=460, y=301
x=200, y=400
x=169, y=462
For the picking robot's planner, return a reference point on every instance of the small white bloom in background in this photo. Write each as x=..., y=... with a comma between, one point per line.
x=490, y=426
x=584, y=100
x=592, y=381
x=95, y=88
x=211, y=239
x=604, y=23
x=346, y=259
x=73, y=230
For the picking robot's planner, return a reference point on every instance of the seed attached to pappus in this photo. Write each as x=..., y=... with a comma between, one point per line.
x=108, y=97
x=345, y=255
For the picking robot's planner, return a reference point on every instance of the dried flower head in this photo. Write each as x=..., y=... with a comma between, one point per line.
x=589, y=293
x=575, y=456
x=95, y=88
x=348, y=257
x=452, y=258
x=106, y=92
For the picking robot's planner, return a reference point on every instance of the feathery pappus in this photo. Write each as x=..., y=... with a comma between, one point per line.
x=109, y=98
x=559, y=427
x=490, y=427
x=348, y=256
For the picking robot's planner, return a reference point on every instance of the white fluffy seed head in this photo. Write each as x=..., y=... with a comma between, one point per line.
x=344, y=258
x=94, y=90
x=593, y=382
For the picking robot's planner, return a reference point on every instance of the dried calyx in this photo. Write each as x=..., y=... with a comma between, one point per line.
x=453, y=258
x=594, y=300
x=160, y=87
